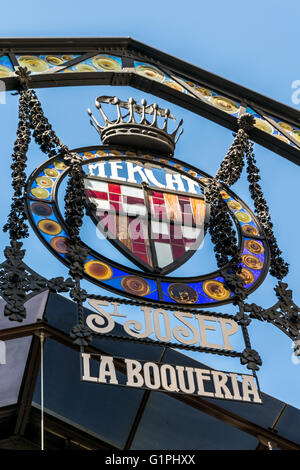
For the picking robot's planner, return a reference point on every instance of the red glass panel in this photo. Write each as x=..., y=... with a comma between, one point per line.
x=138, y=247
x=133, y=200
x=96, y=194
x=115, y=197
x=177, y=251
x=116, y=206
x=114, y=188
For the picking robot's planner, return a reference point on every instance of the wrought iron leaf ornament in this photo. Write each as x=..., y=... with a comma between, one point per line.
x=284, y=314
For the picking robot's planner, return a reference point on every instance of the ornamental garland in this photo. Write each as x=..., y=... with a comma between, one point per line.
x=221, y=228
x=15, y=280
x=279, y=268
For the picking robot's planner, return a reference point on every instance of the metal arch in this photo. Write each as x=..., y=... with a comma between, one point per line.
x=130, y=50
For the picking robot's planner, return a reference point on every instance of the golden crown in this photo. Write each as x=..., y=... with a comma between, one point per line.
x=127, y=130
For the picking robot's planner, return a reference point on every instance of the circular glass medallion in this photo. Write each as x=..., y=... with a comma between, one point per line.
x=135, y=285
x=33, y=63
x=182, y=293
x=252, y=262
x=150, y=72
x=216, y=290
x=49, y=226
x=153, y=285
x=98, y=270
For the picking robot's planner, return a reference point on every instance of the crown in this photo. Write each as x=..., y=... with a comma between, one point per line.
x=126, y=130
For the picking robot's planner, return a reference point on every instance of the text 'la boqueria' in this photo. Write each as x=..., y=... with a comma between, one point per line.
x=169, y=378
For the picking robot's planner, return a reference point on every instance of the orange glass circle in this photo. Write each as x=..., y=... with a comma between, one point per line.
x=135, y=285
x=250, y=230
x=215, y=290
x=254, y=246
x=59, y=244
x=252, y=262
x=247, y=275
x=98, y=270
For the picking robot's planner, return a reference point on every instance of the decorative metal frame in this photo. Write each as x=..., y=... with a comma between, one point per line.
x=179, y=75
x=157, y=277
x=180, y=87
x=182, y=84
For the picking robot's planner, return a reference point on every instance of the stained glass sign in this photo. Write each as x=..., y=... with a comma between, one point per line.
x=155, y=215
x=161, y=200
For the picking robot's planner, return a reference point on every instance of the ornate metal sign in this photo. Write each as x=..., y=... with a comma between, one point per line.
x=156, y=210
x=171, y=378
x=183, y=330
x=153, y=208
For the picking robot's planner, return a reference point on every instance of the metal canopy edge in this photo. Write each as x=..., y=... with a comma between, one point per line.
x=132, y=49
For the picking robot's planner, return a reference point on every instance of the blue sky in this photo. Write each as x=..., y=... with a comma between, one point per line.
x=251, y=44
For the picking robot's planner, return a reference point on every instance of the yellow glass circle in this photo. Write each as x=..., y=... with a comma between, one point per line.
x=40, y=193
x=89, y=155
x=54, y=60
x=66, y=58
x=287, y=127
x=205, y=180
x=225, y=104
x=224, y=195
x=162, y=160
x=106, y=63
x=51, y=172
x=202, y=91
x=44, y=181
x=33, y=63
x=85, y=68
x=60, y=244
x=5, y=71
x=263, y=125
x=173, y=85
x=101, y=153
x=250, y=230
x=41, y=209
x=150, y=72
x=236, y=206
x=182, y=293
x=180, y=167
x=296, y=134
x=243, y=217
x=49, y=226
x=131, y=154
x=216, y=290
x=281, y=137
x=60, y=165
